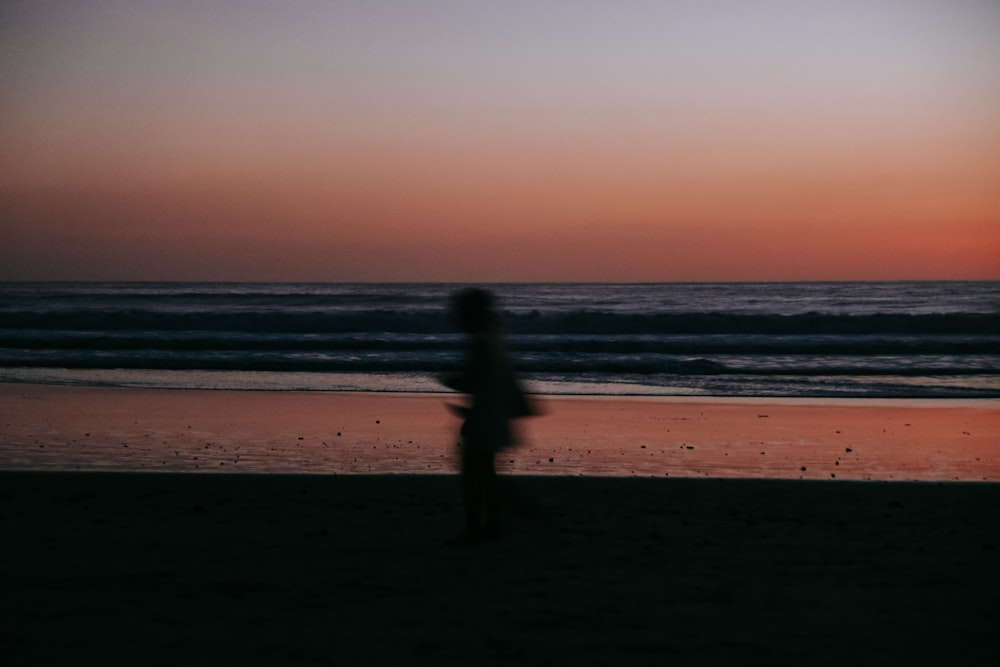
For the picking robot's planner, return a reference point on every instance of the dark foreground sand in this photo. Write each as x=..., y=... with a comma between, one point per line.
x=183, y=569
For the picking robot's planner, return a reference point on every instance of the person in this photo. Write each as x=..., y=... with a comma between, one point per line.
x=495, y=398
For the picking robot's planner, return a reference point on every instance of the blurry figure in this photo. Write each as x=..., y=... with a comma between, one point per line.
x=495, y=397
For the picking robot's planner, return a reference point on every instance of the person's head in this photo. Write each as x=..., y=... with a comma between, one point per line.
x=474, y=309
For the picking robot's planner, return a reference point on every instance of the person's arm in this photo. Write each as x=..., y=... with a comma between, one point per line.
x=456, y=381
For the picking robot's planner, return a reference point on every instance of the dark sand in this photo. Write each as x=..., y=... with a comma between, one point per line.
x=210, y=569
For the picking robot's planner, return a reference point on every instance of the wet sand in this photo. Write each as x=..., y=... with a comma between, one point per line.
x=108, y=429
x=666, y=567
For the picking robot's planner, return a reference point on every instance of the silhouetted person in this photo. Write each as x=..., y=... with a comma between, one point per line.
x=495, y=398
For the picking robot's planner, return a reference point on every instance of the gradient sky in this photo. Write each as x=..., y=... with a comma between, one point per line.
x=495, y=141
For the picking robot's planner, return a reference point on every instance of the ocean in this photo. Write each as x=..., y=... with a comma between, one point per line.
x=937, y=340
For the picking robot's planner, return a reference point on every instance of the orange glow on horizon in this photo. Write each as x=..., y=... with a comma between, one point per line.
x=332, y=145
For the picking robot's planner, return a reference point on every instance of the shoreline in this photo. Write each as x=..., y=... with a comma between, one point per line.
x=639, y=397
x=417, y=384
x=59, y=427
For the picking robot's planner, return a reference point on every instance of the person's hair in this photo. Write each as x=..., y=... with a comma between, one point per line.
x=475, y=307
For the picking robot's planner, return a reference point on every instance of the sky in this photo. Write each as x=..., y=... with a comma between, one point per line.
x=468, y=141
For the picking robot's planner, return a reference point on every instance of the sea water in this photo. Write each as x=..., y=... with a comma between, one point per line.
x=813, y=339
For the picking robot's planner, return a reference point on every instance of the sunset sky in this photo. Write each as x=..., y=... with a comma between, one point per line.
x=495, y=141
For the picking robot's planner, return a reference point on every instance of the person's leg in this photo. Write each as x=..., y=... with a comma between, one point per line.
x=472, y=491
x=492, y=495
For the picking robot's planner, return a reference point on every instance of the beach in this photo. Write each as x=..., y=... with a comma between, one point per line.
x=638, y=551
x=262, y=264
x=108, y=429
